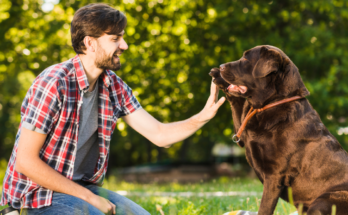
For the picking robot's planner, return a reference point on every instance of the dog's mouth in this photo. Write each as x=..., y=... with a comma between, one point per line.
x=232, y=88
x=240, y=89
x=237, y=89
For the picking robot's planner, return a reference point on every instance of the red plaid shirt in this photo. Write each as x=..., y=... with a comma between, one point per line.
x=53, y=104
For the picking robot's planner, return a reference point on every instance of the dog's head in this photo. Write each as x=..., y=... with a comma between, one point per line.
x=263, y=74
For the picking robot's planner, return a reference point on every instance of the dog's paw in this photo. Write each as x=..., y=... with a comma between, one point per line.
x=218, y=80
x=215, y=73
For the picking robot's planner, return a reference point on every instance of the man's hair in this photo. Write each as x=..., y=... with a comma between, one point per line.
x=94, y=20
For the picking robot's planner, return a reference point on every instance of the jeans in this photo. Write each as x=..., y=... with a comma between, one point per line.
x=70, y=205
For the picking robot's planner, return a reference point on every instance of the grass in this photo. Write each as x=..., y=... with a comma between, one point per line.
x=220, y=184
x=199, y=205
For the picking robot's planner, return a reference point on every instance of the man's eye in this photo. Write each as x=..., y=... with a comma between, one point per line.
x=116, y=38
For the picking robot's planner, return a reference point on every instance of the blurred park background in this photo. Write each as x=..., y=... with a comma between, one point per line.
x=172, y=47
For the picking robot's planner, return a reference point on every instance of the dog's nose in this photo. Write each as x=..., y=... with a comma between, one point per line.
x=222, y=67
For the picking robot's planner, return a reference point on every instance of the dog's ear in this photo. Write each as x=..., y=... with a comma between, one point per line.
x=270, y=60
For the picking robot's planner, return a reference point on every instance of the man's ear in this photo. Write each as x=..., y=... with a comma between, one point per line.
x=89, y=43
x=269, y=61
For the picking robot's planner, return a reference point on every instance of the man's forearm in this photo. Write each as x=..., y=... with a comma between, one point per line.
x=42, y=174
x=174, y=132
x=163, y=134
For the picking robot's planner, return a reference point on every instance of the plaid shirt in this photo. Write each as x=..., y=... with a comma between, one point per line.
x=53, y=104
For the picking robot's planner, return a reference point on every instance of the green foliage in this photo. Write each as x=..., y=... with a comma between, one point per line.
x=172, y=47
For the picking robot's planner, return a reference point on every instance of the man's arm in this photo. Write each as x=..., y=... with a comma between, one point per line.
x=29, y=163
x=166, y=134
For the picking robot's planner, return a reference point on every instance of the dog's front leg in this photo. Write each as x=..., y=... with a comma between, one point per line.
x=270, y=196
x=237, y=105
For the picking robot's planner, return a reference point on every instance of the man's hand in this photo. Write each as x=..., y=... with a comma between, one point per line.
x=211, y=107
x=103, y=205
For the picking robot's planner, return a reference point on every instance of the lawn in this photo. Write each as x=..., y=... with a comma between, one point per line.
x=147, y=195
x=196, y=204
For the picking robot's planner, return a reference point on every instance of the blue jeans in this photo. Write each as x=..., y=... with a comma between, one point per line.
x=70, y=205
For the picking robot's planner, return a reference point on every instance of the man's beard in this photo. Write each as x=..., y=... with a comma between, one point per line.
x=107, y=62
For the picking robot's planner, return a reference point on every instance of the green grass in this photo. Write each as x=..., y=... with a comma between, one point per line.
x=199, y=205
x=220, y=184
x=210, y=205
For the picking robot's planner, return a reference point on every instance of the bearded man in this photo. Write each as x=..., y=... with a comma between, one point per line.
x=68, y=116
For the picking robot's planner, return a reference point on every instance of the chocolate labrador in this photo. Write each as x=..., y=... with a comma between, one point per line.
x=287, y=145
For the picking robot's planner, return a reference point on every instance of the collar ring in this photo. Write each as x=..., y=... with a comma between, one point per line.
x=235, y=138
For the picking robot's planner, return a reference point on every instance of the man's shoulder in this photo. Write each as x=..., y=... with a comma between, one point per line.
x=57, y=72
x=60, y=70
x=123, y=94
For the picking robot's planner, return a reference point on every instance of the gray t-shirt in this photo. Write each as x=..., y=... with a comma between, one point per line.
x=87, y=146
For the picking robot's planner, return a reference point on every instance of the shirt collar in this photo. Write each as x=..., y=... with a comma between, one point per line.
x=106, y=78
x=82, y=78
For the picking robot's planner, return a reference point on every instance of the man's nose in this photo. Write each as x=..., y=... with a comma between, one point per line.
x=222, y=67
x=123, y=45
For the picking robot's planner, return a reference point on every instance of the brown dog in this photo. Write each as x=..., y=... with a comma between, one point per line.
x=287, y=145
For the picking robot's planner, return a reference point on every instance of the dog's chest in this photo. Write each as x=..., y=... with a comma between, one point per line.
x=264, y=155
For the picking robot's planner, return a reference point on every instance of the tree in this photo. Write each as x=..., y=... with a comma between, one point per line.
x=172, y=47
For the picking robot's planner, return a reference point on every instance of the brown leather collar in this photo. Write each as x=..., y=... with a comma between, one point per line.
x=251, y=113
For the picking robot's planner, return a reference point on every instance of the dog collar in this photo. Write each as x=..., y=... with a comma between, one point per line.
x=252, y=112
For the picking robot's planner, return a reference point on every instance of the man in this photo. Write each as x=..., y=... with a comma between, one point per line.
x=68, y=116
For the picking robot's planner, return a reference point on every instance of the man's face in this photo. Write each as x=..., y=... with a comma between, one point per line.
x=109, y=48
